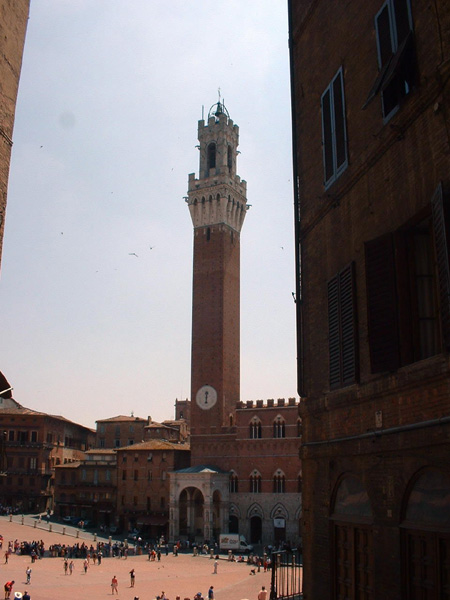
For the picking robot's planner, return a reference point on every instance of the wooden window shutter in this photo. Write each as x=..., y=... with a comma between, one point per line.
x=342, y=331
x=348, y=324
x=334, y=332
x=382, y=304
x=440, y=210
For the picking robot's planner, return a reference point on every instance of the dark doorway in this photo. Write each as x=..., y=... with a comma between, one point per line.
x=255, y=530
x=233, y=524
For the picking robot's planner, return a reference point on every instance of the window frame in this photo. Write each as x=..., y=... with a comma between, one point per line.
x=336, y=170
x=395, y=46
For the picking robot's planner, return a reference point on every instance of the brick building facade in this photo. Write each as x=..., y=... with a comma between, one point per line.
x=143, y=485
x=370, y=97
x=34, y=444
x=86, y=489
x=13, y=23
x=115, y=432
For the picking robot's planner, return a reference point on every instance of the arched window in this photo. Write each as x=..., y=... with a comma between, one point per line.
x=353, y=540
x=279, y=429
x=279, y=482
x=211, y=158
x=234, y=483
x=255, y=483
x=426, y=532
x=255, y=429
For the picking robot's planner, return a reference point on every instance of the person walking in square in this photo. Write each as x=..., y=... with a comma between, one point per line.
x=132, y=577
x=28, y=574
x=114, y=585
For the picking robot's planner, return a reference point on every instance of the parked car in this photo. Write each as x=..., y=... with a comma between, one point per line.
x=69, y=519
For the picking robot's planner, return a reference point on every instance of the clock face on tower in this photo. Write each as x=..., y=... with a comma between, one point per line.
x=206, y=397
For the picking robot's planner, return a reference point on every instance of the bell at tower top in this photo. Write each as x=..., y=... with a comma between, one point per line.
x=218, y=109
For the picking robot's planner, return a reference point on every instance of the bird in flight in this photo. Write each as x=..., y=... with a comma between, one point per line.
x=133, y=254
x=151, y=247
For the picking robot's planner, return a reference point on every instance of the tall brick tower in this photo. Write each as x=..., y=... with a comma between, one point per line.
x=217, y=203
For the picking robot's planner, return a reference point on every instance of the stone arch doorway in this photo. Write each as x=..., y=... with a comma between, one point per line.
x=425, y=530
x=279, y=516
x=233, y=524
x=255, y=529
x=191, y=507
x=352, y=541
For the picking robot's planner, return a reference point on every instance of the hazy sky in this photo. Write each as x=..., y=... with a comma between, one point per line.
x=105, y=133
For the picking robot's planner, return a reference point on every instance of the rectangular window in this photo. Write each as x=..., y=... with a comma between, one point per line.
x=34, y=436
x=136, y=475
x=124, y=475
x=33, y=463
x=11, y=435
x=334, y=132
x=102, y=443
x=117, y=443
x=408, y=282
x=342, y=328
x=396, y=56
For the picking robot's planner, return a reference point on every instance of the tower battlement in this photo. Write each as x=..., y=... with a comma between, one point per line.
x=270, y=403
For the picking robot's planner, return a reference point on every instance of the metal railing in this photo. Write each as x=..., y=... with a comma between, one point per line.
x=287, y=576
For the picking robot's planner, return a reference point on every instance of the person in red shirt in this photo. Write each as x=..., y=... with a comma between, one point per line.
x=8, y=589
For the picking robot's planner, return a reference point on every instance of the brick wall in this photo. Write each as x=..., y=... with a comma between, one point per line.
x=393, y=170
x=14, y=18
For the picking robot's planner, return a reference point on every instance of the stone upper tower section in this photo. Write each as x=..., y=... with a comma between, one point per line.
x=218, y=196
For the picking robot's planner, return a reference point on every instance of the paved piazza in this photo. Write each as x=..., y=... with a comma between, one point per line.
x=183, y=576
